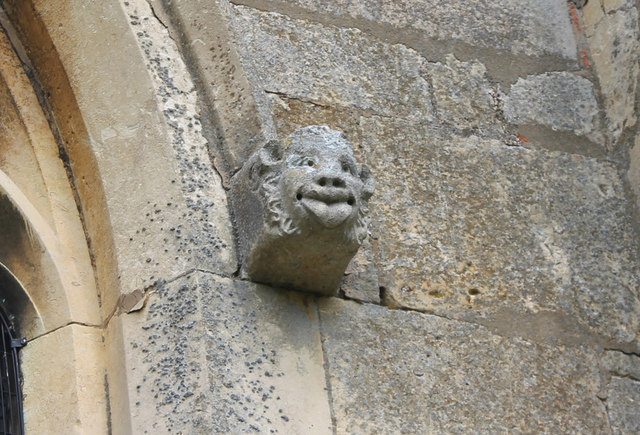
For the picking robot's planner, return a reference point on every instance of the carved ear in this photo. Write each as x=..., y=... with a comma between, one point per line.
x=369, y=183
x=262, y=162
x=271, y=153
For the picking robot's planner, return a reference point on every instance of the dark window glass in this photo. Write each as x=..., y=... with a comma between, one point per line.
x=11, y=421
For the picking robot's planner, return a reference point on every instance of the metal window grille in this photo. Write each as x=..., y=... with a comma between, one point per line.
x=11, y=420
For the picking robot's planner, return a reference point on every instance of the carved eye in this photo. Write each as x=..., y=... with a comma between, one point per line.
x=346, y=168
x=302, y=161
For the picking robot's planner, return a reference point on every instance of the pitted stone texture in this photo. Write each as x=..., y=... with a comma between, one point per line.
x=165, y=356
x=623, y=405
x=613, y=41
x=413, y=373
x=202, y=232
x=560, y=100
x=532, y=28
x=330, y=66
x=203, y=26
x=478, y=230
x=266, y=368
x=213, y=355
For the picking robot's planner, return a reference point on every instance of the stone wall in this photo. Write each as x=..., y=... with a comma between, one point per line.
x=499, y=288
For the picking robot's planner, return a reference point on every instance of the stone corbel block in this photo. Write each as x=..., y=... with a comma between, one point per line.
x=300, y=210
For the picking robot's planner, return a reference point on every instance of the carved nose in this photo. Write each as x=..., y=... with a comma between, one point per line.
x=325, y=181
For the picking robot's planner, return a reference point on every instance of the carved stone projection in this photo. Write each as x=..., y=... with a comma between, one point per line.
x=300, y=209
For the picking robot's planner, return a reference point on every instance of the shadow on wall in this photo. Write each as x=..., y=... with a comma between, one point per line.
x=15, y=301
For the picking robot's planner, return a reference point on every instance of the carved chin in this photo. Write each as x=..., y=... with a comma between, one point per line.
x=329, y=215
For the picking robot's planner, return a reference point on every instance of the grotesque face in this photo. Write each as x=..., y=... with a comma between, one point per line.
x=321, y=185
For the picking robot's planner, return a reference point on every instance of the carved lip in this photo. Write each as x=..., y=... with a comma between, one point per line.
x=331, y=208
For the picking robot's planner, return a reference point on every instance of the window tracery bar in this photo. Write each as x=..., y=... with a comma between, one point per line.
x=11, y=417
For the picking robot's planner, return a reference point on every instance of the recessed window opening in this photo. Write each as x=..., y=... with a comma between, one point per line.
x=11, y=418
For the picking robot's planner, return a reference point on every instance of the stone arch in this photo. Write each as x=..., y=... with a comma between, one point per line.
x=17, y=304
x=127, y=182
x=43, y=242
x=46, y=272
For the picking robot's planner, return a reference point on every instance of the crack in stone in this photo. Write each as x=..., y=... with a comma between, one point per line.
x=160, y=20
x=603, y=402
x=88, y=325
x=302, y=100
x=326, y=368
x=626, y=352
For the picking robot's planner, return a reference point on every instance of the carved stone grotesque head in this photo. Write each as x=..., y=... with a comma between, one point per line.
x=312, y=200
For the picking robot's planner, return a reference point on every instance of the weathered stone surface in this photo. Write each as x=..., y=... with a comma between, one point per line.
x=200, y=228
x=413, y=373
x=360, y=280
x=63, y=389
x=361, y=277
x=560, y=100
x=464, y=98
x=476, y=229
x=534, y=29
x=213, y=355
x=623, y=406
x=203, y=27
x=592, y=13
x=165, y=207
x=300, y=208
x=613, y=41
x=329, y=65
x=634, y=169
x=622, y=364
x=613, y=5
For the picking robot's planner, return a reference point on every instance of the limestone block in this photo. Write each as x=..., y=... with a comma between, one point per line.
x=613, y=5
x=475, y=229
x=622, y=365
x=214, y=355
x=592, y=13
x=634, y=170
x=407, y=372
x=531, y=28
x=203, y=27
x=560, y=100
x=360, y=280
x=201, y=233
x=63, y=389
x=329, y=65
x=615, y=52
x=165, y=206
x=300, y=209
x=623, y=405
x=463, y=96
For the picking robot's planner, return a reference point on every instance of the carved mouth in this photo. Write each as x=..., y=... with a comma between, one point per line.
x=331, y=208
